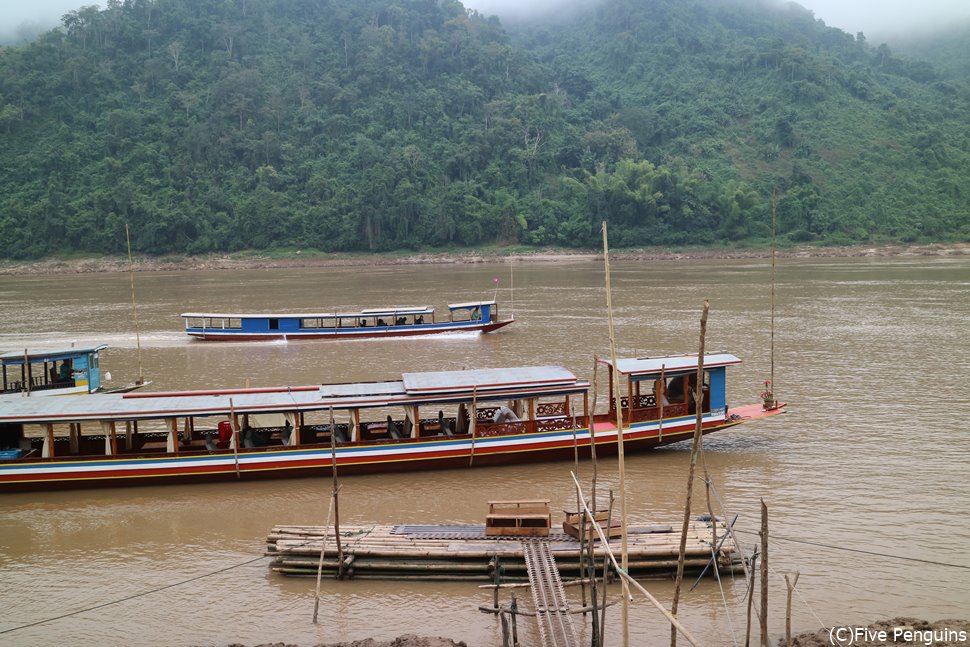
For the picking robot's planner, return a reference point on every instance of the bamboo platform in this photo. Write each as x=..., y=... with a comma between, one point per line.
x=464, y=552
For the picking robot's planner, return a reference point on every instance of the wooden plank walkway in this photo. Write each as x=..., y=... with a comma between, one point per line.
x=548, y=597
x=463, y=551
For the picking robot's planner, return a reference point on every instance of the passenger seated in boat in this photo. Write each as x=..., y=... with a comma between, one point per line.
x=675, y=389
x=210, y=442
x=419, y=320
x=363, y=323
x=476, y=314
x=66, y=372
x=400, y=321
x=443, y=426
x=392, y=429
x=381, y=322
x=504, y=414
x=253, y=438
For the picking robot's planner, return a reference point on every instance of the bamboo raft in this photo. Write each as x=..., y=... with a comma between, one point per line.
x=464, y=552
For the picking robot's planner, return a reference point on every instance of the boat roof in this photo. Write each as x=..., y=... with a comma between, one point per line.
x=470, y=304
x=370, y=312
x=49, y=354
x=650, y=367
x=487, y=379
x=414, y=389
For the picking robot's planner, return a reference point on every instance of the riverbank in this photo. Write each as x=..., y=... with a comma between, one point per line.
x=897, y=631
x=408, y=640
x=297, y=259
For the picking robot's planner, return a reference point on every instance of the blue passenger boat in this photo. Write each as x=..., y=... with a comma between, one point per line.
x=474, y=316
x=56, y=371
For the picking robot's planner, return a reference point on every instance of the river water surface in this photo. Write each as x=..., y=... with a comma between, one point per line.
x=870, y=354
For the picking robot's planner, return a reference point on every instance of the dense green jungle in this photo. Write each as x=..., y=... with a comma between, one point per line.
x=385, y=125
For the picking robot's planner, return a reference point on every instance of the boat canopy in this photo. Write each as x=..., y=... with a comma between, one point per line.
x=488, y=379
x=407, y=310
x=415, y=388
x=649, y=368
x=16, y=358
x=470, y=304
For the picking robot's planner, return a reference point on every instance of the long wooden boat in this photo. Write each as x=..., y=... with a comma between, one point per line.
x=56, y=371
x=443, y=419
x=474, y=316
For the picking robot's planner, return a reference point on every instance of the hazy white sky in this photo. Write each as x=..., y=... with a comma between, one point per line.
x=874, y=17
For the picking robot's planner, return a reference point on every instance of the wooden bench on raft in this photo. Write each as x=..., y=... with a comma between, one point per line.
x=528, y=518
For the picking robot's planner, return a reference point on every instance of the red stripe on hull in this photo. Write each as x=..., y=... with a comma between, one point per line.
x=441, y=457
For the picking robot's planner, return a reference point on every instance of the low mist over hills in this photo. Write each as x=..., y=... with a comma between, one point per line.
x=382, y=125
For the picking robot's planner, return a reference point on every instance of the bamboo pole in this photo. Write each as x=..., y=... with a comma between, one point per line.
x=134, y=311
x=582, y=586
x=619, y=441
x=662, y=395
x=747, y=632
x=764, y=574
x=698, y=426
x=791, y=587
x=26, y=372
x=323, y=548
x=334, y=494
x=625, y=576
x=772, y=374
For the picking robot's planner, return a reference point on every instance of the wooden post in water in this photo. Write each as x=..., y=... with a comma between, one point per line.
x=26, y=372
x=791, y=587
x=582, y=584
x=747, y=633
x=606, y=570
x=513, y=613
x=591, y=573
x=698, y=426
x=624, y=556
x=334, y=494
x=323, y=548
x=764, y=574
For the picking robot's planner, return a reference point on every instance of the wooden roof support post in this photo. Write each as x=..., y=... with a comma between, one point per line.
x=75, y=440
x=472, y=423
x=172, y=444
x=234, y=439
x=48, y=451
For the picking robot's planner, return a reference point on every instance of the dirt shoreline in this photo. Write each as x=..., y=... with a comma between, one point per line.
x=896, y=631
x=297, y=260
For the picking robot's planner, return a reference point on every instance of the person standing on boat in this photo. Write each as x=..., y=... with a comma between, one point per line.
x=66, y=373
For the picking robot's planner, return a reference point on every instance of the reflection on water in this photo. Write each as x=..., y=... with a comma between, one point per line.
x=870, y=456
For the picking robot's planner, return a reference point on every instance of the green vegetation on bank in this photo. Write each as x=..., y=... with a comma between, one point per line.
x=382, y=125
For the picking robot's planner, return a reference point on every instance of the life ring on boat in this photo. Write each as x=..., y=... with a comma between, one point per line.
x=225, y=431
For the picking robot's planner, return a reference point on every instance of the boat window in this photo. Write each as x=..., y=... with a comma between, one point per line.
x=274, y=324
x=235, y=322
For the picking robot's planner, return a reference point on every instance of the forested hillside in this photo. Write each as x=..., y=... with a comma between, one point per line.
x=370, y=125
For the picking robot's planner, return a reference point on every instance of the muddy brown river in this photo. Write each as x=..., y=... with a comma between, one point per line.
x=870, y=461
